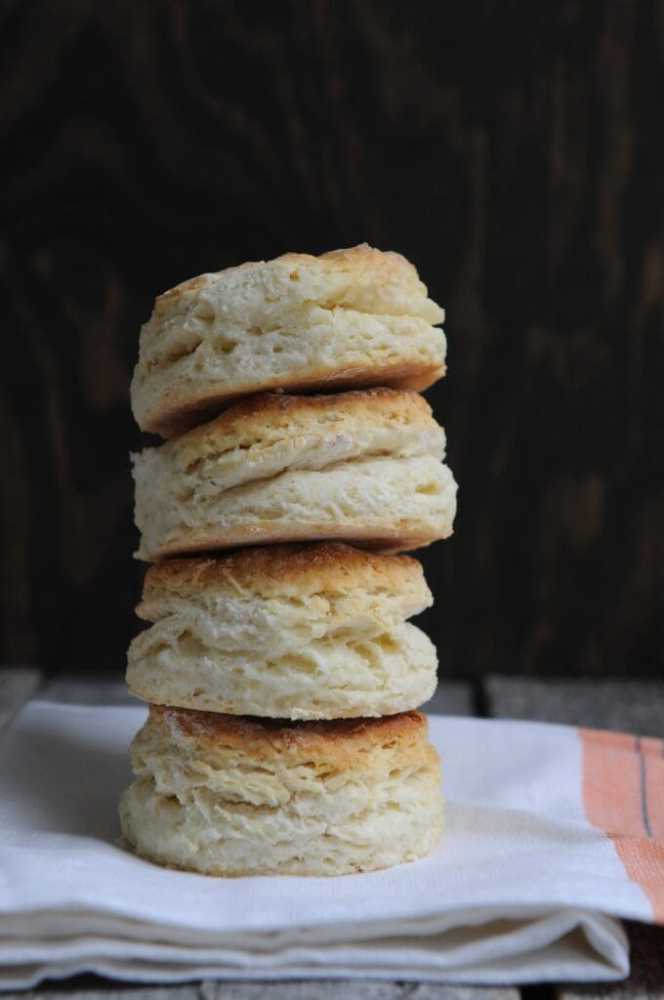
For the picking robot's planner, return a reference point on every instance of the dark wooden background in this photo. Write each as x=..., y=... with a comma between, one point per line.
x=514, y=150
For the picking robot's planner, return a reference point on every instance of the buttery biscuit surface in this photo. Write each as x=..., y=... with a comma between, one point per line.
x=349, y=318
x=297, y=632
x=356, y=466
x=230, y=796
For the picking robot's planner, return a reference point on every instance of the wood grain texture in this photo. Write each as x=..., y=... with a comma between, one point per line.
x=627, y=706
x=514, y=151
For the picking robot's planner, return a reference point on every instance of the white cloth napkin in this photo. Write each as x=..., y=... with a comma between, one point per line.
x=522, y=887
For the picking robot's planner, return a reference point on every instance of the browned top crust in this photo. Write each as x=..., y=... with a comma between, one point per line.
x=183, y=375
x=281, y=569
x=363, y=263
x=250, y=419
x=271, y=737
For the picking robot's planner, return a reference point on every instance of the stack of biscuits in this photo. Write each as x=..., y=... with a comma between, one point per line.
x=281, y=670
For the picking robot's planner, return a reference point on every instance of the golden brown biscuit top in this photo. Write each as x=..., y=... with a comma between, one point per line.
x=340, y=740
x=248, y=421
x=361, y=264
x=324, y=567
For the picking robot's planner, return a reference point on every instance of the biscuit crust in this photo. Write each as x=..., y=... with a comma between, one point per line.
x=263, y=419
x=359, y=466
x=380, y=537
x=337, y=741
x=326, y=568
x=297, y=632
x=349, y=319
x=231, y=796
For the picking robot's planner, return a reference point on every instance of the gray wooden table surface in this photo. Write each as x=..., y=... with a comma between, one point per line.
x=630, y=705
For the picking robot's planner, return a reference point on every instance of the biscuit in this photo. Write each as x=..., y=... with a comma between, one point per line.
x=292, y=632
x=348, y=319
x=227, y=795
x=356, y=466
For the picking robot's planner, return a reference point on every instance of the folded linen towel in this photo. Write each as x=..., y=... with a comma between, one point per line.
x=551, y=833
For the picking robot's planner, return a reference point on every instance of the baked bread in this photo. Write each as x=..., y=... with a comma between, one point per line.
x=294, y=632
x=227, y=795
x=348, y=319
x=356, y=466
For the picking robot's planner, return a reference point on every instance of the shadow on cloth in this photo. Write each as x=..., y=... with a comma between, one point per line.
x=78, y=792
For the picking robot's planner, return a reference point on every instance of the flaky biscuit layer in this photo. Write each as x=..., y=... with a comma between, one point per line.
x=230, y=796
x=296, y=632
x=350, y=318
x=361, y=466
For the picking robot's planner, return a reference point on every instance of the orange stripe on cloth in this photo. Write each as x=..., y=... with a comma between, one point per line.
x=653, y=763
x=623, y=793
